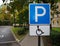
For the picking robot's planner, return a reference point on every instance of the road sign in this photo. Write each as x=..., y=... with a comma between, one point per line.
x=39, y=14
x=45, y=29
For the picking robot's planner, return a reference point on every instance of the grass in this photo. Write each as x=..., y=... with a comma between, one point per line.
x=56, y=29
x=15, y=30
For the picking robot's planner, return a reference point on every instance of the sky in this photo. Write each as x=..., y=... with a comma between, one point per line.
x=1, y=2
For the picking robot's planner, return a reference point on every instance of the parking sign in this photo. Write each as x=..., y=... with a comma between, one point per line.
x=39, y=14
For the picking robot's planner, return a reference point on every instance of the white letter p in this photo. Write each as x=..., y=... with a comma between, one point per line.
x=36, y=12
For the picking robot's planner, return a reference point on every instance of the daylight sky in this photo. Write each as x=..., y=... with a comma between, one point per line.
x=1, y=2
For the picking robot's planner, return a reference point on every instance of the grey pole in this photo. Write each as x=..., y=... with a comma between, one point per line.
x=38, y=36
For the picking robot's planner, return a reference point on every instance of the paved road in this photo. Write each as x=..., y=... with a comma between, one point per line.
x=31, y=41
x=5, y=34
x=6, y=37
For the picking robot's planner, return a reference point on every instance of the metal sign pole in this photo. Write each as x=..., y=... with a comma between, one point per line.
x=38, y=35
x=38, y=40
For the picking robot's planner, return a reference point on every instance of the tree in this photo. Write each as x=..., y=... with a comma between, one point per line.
x=23, y=16
x=17, y=5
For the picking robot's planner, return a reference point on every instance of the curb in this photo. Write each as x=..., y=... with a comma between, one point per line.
x=17, y=40
x=14, y=36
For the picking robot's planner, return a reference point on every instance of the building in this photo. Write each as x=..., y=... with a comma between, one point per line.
x=56, y=18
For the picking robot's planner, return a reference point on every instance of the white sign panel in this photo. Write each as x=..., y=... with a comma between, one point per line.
x=45, y=29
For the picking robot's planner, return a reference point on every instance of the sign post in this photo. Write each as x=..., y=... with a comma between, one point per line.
x=38, y=36
x=39, y=20
x=38, y=40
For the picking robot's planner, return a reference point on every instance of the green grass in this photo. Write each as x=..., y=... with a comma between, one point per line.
x=56, y=29
x=15, y=30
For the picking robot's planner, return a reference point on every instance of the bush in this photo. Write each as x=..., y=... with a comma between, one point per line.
x=21, y=31
x=26, y=28
x=0, y=22
x=55, y=36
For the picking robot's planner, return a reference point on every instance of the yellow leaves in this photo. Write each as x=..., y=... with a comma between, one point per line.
x=4, y=7
x=1, y=17
x=22, y=11
x=16, y=12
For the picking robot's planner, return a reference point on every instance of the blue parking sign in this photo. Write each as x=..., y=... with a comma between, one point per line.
x=39, y=13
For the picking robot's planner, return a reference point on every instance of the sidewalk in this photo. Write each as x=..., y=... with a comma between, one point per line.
x=29, y=41
x=33, y=41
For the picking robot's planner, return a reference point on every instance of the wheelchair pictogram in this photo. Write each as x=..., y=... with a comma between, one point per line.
x=39, y=31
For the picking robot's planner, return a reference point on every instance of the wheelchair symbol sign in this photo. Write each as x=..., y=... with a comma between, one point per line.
x=39, y=14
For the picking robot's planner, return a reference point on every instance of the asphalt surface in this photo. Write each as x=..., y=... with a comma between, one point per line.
x=6, y=34
x=6, y=37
